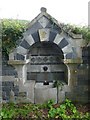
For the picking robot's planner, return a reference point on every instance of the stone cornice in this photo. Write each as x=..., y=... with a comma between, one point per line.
x=72, y=61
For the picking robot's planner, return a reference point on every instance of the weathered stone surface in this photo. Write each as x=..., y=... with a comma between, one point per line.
x=7, y=87
x=25, y=44
x=19, y=57
x=8, y=70
x=43, y=9
x=11, y=56
x=63, y=43
x=66, y=88
x=42, y=95
x=16, y=90
x=21, y=50
x=52, y=35
x=61, y=96
x=28, y=87
x=16, y=62
x=8, y=78
x=70, y=55
x=76, y=36
x=67, y=49
x=43, y=21
x=35, y=36
x=29, y=39
x=77, y=60
x=44, y=34
x=58, y=38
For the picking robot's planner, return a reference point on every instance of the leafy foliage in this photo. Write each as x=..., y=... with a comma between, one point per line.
x=85, y=31
x=29, y=111
x=67, y=111
x=11, y=31
x=58, y=83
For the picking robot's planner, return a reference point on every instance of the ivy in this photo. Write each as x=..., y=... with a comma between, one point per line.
x=12, y=30
x=85, y=31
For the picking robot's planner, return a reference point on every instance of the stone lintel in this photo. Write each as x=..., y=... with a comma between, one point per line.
x=78, y=60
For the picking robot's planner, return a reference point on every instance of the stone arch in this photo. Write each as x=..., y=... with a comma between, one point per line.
x=46, y=35
x=43, y=46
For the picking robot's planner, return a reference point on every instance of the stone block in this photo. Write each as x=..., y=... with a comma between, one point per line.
x=28, y=87
x=33, y=28
x=70, y=95
x=11, y=56
x=81, y=97
x=6, y=88
x=42, y=95
x=16, y=88
x=44, y=22
x=8, y=78
x=18, y=57
x=70, y=55
x=44, y=34
x=66, y=88
x=35, y=36
x=63, y=43
x=58, y=39
x=61, y=96
x=67, y=49
x=21, y=50
x=9, y=84
x=25, y=44
x=52, y=35
x=29, y=39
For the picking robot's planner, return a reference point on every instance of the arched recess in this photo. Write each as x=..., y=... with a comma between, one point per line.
x=46, y=63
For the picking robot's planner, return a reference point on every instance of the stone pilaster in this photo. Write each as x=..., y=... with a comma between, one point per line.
x=72, y=74
x=72, y=71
